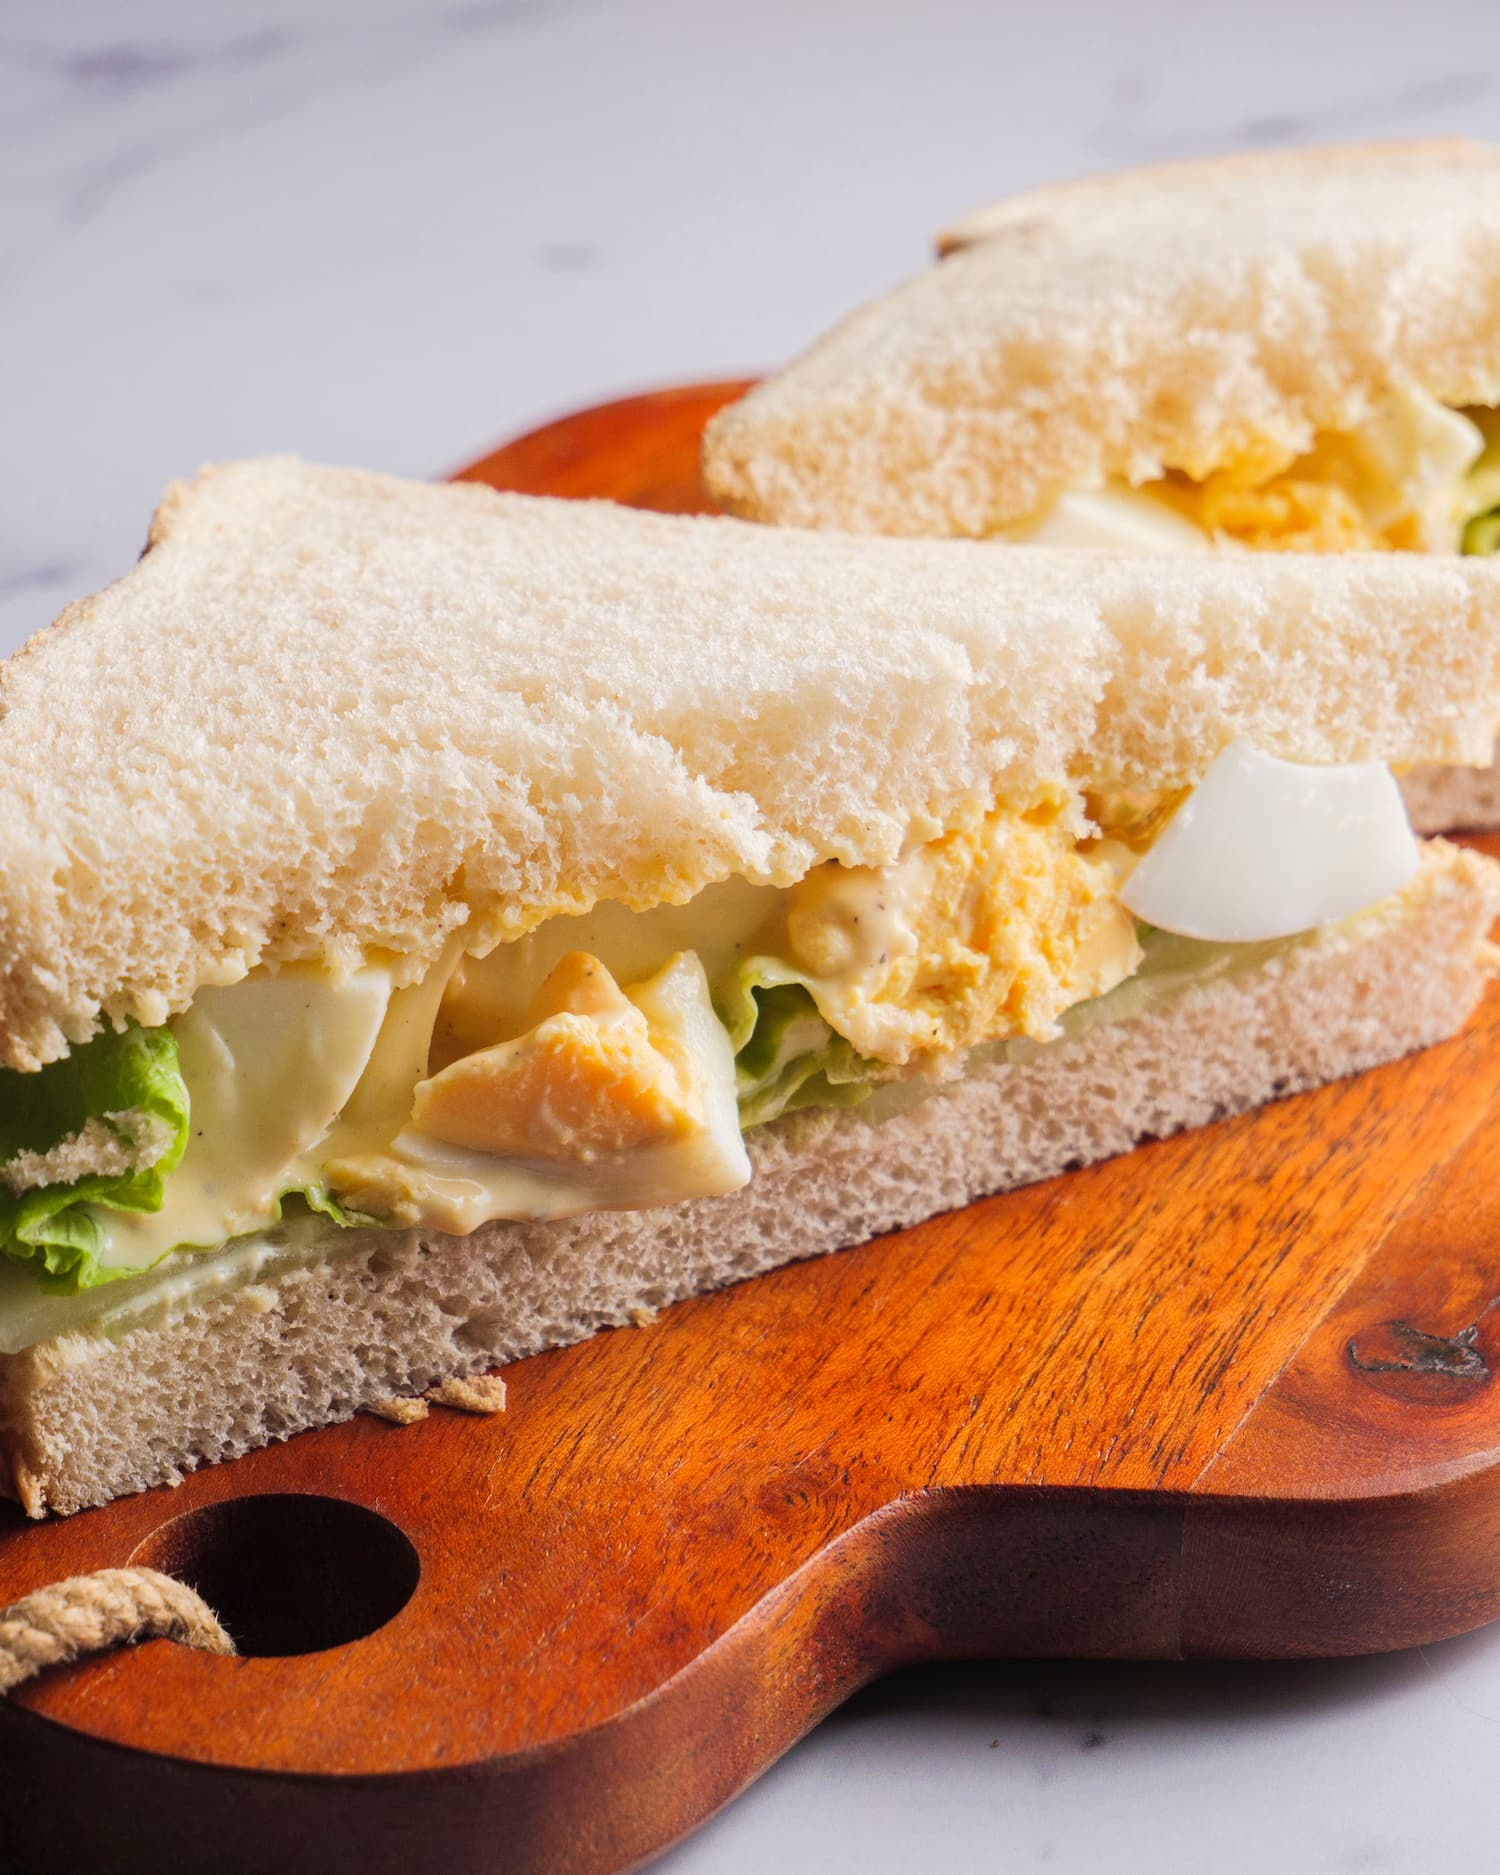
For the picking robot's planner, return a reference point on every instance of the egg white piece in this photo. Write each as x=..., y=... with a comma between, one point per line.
x=1119, y=518
x=1263, y=848
x=1415, y=447
x=268, y=1062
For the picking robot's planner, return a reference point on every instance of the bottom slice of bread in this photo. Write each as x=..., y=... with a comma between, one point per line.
x=357, y=1316
x=1454, y=800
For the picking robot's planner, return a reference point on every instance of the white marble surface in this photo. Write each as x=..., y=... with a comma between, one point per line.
x=393, y=233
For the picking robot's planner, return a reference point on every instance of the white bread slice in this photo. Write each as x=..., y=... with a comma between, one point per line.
x=87, y=1417
x=331, y=712
x=1197, y=316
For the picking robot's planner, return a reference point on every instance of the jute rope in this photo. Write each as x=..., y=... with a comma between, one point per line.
x=86, y=1614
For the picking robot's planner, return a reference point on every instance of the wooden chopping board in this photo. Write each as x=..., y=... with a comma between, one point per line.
x=1230, y=1395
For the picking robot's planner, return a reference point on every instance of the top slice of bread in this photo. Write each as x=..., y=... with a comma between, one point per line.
x=331, y=713
x=1196, y=316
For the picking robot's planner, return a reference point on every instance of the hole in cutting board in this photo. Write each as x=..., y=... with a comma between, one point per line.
x=289, y=1572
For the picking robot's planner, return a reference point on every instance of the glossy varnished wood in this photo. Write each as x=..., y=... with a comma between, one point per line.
x=1229, y=1395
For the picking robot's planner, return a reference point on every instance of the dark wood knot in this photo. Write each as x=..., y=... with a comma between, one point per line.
x=1401, y=1348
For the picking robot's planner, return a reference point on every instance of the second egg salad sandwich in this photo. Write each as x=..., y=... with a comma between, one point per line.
x=1293, y=350
x=436, y=924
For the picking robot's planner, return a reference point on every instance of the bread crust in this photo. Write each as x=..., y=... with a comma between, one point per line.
x=1215, y=315
x=1268, y=168
x=331, y=714
x=84, y=1418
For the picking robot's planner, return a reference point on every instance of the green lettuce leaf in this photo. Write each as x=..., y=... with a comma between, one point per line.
x=320, y=1199
x=131, y=1084
x=1482, y=533
x=786, y=1056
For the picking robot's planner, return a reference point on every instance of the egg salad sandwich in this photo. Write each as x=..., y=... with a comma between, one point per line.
x=1288, y=350
x=436, y=924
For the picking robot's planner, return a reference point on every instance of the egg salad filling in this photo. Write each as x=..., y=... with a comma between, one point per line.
x=617, y=1059
x=1418, y=475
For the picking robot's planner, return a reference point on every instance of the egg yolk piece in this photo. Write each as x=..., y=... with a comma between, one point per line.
x=983, y=934
x=1290, y=514
x=607, y=1099
x=586, y=1079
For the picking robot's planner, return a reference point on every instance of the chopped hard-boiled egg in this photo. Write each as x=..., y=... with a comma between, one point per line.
x=301, y=1083
x=1398, y=481
x=983, y=934
x=585, y=1079
x=611, y=1100
x=1263, y=848
x=486, y=998
x=1288, y=514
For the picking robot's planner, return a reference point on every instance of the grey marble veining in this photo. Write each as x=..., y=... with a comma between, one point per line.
x=392, y=233
x=1332, y=1767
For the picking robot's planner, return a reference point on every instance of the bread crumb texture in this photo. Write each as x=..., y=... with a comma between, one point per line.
x=399, y=1409
x=477, y=1393
x=1200, y=316
x=332, y=716
x=85, y=1418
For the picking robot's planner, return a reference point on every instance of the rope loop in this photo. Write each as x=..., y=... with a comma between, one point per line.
x=110, y=1608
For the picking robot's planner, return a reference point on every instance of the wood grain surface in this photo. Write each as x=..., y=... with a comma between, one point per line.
x=1229, y=1395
